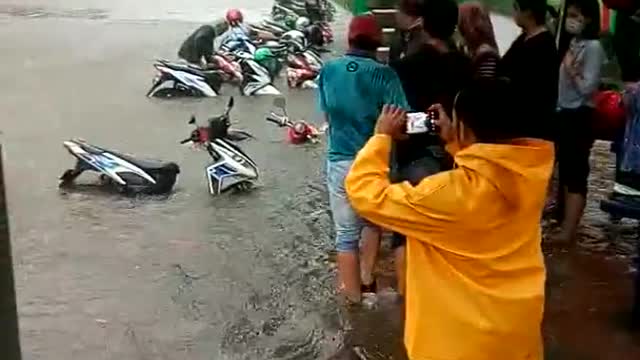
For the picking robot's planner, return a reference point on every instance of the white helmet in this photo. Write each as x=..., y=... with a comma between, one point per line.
x=294, y=40
x=302, y=23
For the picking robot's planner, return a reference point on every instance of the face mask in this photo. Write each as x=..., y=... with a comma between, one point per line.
x=574, y=26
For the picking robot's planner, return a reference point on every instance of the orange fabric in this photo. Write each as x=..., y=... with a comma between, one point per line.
x=475, y=269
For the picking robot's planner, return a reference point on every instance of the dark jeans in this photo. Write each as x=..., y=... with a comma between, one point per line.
x=626, y=42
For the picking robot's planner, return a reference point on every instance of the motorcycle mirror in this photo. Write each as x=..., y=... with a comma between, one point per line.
x=193, y=120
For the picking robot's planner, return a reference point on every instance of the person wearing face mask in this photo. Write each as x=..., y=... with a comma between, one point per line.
x=475, y=269
x=531, y=63
x=579, y=81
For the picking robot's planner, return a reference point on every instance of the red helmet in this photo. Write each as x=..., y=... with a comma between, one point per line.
x=610, y=114
x=299, y=133
x=234, y=16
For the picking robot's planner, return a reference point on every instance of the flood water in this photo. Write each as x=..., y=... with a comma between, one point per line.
x=99, y=276
x=249, y=276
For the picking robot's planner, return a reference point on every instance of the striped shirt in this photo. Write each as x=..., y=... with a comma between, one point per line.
x=485, y=64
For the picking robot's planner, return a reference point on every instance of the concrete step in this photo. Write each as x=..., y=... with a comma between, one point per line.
x=386, y=17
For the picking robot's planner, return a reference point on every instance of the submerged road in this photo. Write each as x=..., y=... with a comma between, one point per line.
x=99, y=276
x=189, y=277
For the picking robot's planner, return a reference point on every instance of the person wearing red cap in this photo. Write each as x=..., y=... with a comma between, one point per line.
x=351, y=92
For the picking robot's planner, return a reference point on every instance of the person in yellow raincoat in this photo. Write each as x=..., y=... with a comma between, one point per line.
x=475, y=269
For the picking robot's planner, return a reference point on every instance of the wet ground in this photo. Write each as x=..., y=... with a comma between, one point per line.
x=189, y=276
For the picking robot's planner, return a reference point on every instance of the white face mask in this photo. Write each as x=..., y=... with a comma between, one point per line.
x=574, y=26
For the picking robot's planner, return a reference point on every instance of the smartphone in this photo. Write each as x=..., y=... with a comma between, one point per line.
x=422, y=122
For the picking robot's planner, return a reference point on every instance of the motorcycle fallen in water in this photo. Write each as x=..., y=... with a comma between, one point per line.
x=125, y=173
x=257, y=80
x=232, y=168
x=298, y=132
x=303, y=68
x=176, y=79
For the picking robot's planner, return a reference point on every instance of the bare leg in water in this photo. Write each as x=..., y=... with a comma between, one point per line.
x=574, y=205
x=369, y=255
x=349, y=275
x=355, y=269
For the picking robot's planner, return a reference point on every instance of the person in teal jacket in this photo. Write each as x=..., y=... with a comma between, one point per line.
x=351, y=91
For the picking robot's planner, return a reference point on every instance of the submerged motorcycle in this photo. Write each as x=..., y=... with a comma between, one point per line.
x=303, y=68
x=179, y=80
x=232, y=168
x=125, y=173
x=257, y=80
x=298, y=132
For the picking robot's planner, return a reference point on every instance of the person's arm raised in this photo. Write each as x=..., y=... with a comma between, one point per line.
x=408, y=210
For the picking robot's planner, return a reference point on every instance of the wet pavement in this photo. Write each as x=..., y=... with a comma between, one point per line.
x=189, y=276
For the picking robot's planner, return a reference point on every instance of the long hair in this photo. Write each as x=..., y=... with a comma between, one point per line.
x=474, y=24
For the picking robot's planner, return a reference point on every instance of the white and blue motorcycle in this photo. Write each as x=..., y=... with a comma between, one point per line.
x=125, y=173
x=232, y=168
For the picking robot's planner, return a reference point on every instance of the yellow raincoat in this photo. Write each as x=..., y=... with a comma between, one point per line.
x=475, y=270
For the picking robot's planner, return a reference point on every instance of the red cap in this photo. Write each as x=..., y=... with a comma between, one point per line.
x=365, y=26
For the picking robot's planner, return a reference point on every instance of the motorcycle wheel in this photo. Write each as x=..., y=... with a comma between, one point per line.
x=172, y=93
x=243, y=186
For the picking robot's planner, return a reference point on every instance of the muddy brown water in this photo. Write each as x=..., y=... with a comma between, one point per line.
x=99, y=276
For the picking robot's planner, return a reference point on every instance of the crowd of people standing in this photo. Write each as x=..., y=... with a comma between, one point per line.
x=464, y=203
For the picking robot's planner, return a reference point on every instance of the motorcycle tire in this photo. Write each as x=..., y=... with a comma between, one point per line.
x=170, y=93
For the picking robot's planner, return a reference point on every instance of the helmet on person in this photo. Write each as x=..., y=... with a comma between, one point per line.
x=302, y=23
x=262, y=54
x=234, y=16
x=610, y=115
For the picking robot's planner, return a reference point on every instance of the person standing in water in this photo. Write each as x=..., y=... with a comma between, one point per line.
x=475, y=268
x=579, y=81
x=351, y=92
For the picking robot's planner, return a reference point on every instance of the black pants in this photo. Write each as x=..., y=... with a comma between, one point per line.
x=573, y=148
x=414, y=172
x=626, y=42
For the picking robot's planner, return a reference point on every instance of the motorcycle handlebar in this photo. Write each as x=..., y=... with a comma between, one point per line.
x=278, y=121
x=185, y=141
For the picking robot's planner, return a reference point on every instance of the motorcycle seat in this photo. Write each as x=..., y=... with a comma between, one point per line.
x=622, y=206
x=192, y=69
x=144, y=164
x=149, y=164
